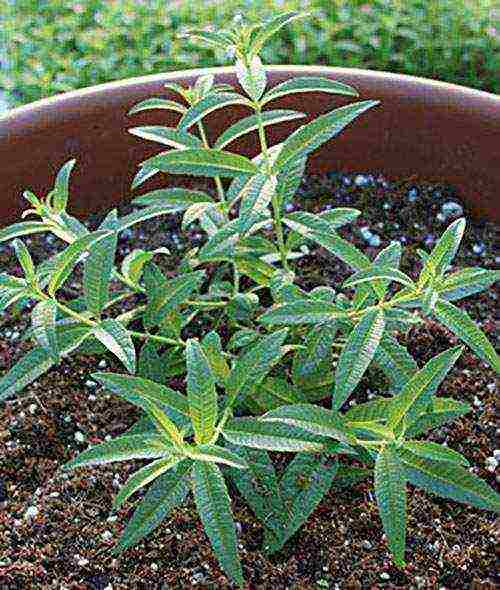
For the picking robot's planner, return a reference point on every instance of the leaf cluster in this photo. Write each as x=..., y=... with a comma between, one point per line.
x=283, y=379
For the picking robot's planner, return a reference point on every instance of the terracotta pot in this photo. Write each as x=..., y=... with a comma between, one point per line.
x=435, y=131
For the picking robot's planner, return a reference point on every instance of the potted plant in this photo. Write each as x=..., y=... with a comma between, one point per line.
x=268, y=385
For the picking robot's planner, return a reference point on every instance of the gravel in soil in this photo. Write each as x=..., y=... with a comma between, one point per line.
x=57, y=529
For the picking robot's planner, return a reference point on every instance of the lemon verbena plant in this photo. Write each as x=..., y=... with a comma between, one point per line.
x=279, y=379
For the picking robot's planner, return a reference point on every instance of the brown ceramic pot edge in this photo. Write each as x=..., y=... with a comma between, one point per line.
x=433, y=130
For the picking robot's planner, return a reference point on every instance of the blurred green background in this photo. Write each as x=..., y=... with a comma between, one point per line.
x=50, y=46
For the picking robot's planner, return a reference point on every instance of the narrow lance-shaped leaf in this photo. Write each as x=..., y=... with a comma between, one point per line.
x=177, y=198
x=61, y=187
x=251, y=76
x=164, y=296
x=202, y=396
x=465, y=282
x=142, y=477
x=214, y=508
x=390, y=491
x=129, y=386
x=123, y=448
x=308, y=84
x=314, y=419
x=269, y=28
x=417, y=393
x=157, y=103
x=274, y=436
x=25, y=260
x=312, y=366
x=395, y=361
x=442, y=411
x=434, y=451
x=216, y=454
x=309, y=137
x=449, y=480
x=68, y=259
x=444, y=251
x=98, y=267
x=459, y=322
x=251, y=123
x=357, y=354
x=43, y=320
x=175, y=138
x=253, y=365
x=379, y=272
x=168, y=491
x=302, y=312
x=37, y=362
x=209, y=104
x=22, y=229
x=201, y=162
x=256, y=194
x=117, y=340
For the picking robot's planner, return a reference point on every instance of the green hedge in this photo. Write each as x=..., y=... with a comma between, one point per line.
x=57, y=45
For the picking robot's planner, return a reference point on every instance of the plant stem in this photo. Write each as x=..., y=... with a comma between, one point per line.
x=278, y=224
x=163, y=339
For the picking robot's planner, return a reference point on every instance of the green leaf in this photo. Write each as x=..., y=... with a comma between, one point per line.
x=117, y=340
x=251, y=123
x=133, y=263
x=123, y=448
x=460, y=323
x=379, y=272
x=242, y=338
x=253, y=365
x=214, y=508
x=309, y=137
x=168, y=491
x=357, y=354
x=201, y=162
x=195, y=212
x=269, y=28
x=417, y=393
x=302, y=312
x=251, y=76
x=395, y=361
x=175, y=138
x=23, y=228
x=142, y=477
x=25, y=260
x=304, y=484
x=215, y=39
x=312, y=366
x=177, y=198
x=443, y=410
x=208, y=105
x=69, y=258
x=308, y=84
x=314, y=419
x=374, y=410
x=434, y=451
x=164, y=296
x=256, y=194
x=212, y=348
x=61, y=187
x=129, y=387
x=43, y=321
x=272, y=436
x=259, y=487
x=465, y=282
x=445, y=249
x=272, y=393
x=37, y=362
x=157, y=103
x=341, y=248
x=98, y=267
x=390, y=491
x=216, y=454
x=201, y=393
x=449, y=480
x=348, y=475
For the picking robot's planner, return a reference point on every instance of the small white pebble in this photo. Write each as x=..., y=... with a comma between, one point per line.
x=102, y=364
x=54, y=495
x=31, y=512
x=112, y=518
x=385, y=576
x=154, y=567
x=107, y=535
x=32, y=408
x=90, y=384
x=79, y=436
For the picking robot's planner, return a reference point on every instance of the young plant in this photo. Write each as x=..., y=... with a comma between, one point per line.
x=281, y=379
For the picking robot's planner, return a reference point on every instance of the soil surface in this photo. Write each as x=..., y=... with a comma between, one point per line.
x=57, y=529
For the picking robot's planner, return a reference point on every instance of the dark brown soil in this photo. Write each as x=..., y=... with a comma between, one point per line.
x=57, y=530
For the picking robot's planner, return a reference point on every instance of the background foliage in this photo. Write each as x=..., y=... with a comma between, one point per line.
x=52, y=46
